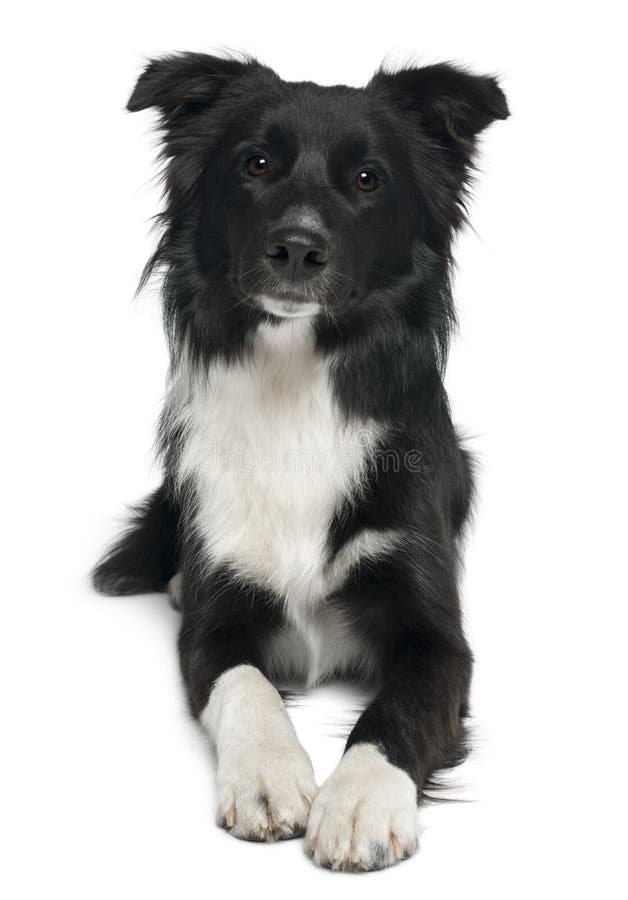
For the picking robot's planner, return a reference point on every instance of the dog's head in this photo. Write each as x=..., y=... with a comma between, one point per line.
x=292, y=199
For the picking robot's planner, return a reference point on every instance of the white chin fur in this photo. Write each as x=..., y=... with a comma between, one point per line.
x=288, y=309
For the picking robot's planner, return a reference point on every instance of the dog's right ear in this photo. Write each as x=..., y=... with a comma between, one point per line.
x=185, y=83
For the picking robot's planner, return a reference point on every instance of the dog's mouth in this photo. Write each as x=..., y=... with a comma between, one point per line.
x=287, y=299
x=284, y=299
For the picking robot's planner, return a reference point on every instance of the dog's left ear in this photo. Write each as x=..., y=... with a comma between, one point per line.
x=453, y=105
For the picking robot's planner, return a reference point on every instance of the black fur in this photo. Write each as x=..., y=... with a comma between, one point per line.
x=387, y=322
x=146, y=556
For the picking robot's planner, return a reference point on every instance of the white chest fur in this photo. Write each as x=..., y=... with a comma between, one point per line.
x=271, y=459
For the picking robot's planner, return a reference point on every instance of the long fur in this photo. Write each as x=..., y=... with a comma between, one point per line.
x=353, y=569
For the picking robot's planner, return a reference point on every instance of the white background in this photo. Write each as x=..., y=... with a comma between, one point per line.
x=108, y=786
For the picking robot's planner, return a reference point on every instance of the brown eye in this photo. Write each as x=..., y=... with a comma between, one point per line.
x=367, y=180
x=257, y=165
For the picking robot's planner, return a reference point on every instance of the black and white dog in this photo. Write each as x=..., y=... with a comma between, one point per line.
x=314, y=491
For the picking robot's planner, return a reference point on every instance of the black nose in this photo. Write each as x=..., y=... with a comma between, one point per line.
x=296, y=254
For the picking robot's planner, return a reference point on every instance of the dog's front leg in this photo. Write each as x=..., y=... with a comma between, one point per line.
x=365, y=815
x=265, y=781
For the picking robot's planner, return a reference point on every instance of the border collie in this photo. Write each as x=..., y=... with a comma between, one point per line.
x=314, y=493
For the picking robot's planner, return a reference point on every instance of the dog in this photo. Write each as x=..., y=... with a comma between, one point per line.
x=315, y=491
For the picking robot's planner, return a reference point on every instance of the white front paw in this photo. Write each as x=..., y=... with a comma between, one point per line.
x=265, y=793
x=365, y=815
